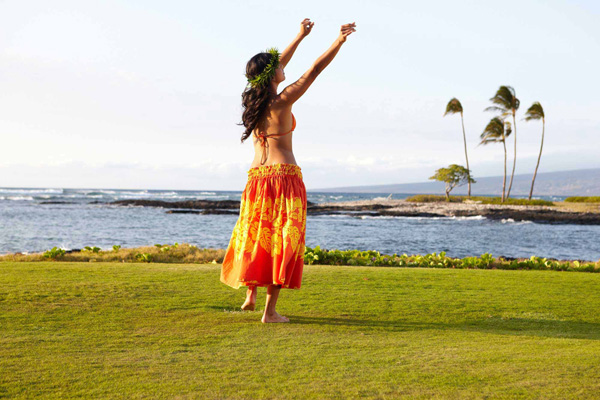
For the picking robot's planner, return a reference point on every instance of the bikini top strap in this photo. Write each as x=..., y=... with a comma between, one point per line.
x=265, y=143
x=264, y=135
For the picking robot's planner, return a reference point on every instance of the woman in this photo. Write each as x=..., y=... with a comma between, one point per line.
x=267, y=243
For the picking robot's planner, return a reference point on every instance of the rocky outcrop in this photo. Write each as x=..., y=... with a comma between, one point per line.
x=399, y=208
x=189, y=204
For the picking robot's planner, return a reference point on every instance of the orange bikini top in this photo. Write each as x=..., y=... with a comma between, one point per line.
x=265, y=144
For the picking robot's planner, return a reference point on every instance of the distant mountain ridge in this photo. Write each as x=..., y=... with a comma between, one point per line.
x=581, y=182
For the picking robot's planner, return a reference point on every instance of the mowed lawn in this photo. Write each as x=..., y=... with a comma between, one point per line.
x=173, y=331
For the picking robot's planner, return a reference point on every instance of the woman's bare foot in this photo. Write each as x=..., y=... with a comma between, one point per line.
x=275, y=317
x=250, y=303
x=248, y=306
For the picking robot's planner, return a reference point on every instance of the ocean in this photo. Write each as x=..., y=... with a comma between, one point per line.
x=37, y=219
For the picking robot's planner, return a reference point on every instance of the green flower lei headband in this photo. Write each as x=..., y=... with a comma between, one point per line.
x=265, y=77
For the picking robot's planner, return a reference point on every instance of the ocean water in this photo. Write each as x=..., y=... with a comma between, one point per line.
x=83, y=217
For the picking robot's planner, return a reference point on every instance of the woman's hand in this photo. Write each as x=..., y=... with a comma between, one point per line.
x=306, y=27
x=346, y=30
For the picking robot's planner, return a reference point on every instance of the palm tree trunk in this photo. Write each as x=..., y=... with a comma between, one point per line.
x=539, y=157
x=504, y=181
x=467, y=157
x=512, y=175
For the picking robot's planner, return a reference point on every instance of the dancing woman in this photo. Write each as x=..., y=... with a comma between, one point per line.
x=267, y=244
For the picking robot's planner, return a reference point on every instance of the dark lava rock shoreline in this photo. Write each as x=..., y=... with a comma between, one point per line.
x=398, y=208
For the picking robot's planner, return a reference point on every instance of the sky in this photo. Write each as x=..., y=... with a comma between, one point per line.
x=147, y=94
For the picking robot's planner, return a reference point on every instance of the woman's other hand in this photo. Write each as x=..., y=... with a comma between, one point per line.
x=346, y=30
x=306, y=27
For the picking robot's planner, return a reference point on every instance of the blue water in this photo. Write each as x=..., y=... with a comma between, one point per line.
x=26, y=225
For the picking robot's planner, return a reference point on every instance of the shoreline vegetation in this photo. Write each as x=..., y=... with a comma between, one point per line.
x=186, y=253
x=433, y=198
x=583, y=199
x=583, y=212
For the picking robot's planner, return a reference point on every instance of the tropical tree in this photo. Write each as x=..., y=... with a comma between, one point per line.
x=506, y=102
x=454, y=107
x=454, y=176
x=497, y=131
x=536, y=112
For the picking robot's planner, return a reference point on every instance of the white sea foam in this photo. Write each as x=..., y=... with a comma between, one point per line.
x=473, y=217
x=512, y=221
x=135, y=193
x=418, y=218
x=94, y=192
x=19, y=198
x=31, y=191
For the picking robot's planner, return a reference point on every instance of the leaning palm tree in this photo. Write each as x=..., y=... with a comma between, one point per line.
x=506, y=102
x=455, y=107
x=536, y=112
x=497, y=131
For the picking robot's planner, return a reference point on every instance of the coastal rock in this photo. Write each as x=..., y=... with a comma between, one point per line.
x=399, y=208
x=204, y=212
x=188, y=204
x=402, y=208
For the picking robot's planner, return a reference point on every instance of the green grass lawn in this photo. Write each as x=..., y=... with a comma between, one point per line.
x=155, y=331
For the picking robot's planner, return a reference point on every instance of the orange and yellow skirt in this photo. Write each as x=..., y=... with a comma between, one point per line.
x=268, y=240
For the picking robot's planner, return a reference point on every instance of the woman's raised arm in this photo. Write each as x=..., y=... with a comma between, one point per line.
x=286, y=55
x=294, y=91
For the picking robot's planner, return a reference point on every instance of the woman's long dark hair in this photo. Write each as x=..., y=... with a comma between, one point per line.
x=254, y=99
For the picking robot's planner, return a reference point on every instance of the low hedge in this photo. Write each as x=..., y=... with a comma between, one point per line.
x=431, y=198
x=583, y=199
x=485, y=261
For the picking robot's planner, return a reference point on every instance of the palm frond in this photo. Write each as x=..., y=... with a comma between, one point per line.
x=496, y=131
x=493, y=129
x=505, y=99
x=490, y=140
x=536, y=111
x=503, y=112
x=507, y=128
x=453, y=107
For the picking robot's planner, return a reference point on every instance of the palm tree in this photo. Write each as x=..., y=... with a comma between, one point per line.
x=497, y=131
x=506, y=102
x=455, y=107
x=533, y=113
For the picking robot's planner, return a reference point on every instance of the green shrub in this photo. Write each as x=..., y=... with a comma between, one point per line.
x=92, y=249
x=116, y=247
x=430, y=198
x=143, y=257
x=583, y=199
x=54, y=252
x=435, y=260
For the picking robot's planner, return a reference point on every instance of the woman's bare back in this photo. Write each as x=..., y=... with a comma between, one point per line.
x=279, y=150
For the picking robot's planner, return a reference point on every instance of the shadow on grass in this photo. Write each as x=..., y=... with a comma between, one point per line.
x=495, y=325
